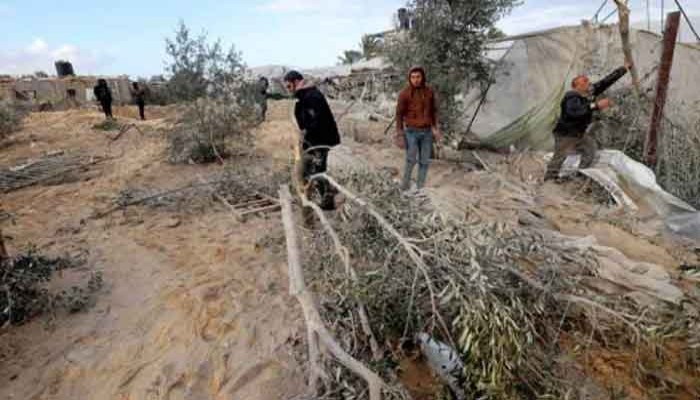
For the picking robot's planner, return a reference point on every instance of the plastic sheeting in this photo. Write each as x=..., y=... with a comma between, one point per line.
x=444, y=361
x=523, y=104
x=646, y=283
x=633, y=186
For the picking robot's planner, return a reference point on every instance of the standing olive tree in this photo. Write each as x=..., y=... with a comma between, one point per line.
x=219, y=94
x=448, y=38
x=196, y=68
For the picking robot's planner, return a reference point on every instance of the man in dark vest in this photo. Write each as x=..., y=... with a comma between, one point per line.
x=104, y=95
x=577, y=107
x=319, y=130
x=139, y=95
x=263, y=86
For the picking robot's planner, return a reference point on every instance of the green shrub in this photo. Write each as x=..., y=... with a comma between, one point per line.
x=11, y=116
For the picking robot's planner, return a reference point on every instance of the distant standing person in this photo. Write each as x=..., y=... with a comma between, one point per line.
x=263, y=85
x=104, y=95
x=139, y=95
x=417, y=126
x=571, y=132
x=319, y=130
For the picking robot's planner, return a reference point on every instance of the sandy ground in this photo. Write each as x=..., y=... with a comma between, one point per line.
x=191, y=309
x=194, y=306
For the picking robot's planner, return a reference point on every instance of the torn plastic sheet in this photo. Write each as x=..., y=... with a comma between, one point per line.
x=444, y=361
x=631, y=183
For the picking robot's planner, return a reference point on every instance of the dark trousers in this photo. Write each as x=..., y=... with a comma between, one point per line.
x=565, y=145
x=142, y=110
x=263, y=109
x=107, y=108
x=316, y=162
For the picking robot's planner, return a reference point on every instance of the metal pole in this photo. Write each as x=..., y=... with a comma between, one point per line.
x=648, y=16
x=492, y=77
x=613, y=12
x=595, y=17
x=669, y=45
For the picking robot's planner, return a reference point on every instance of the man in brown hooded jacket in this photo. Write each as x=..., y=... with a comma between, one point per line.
x=417, y=125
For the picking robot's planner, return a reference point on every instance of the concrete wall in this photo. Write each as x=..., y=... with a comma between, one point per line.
x=56, y=90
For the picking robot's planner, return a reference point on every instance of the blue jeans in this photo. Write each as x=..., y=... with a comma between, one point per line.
x=419, y=145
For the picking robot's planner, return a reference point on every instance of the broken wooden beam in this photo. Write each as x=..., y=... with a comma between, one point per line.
x=624, y=13
x=669, y=46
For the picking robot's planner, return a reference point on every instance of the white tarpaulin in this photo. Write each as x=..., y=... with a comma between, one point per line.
x=633, y=186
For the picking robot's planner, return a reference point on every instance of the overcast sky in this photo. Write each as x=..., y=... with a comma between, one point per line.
x=127, y=36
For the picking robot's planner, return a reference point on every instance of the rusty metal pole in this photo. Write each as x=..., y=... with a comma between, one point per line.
x=669, y=45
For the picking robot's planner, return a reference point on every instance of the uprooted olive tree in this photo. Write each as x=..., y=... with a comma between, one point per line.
x=517, y=304
x=219, y=101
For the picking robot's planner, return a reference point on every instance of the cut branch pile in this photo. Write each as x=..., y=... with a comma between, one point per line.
x=44, y=170
x=23, y=291
x=512, y=302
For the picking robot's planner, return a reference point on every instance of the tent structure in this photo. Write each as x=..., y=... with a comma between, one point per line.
x=536, y=69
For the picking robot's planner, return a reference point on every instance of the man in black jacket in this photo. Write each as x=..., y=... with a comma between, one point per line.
x=577, y=109
x=319, y=130
x=104, y=95
x=139, y=95
x=263, y=86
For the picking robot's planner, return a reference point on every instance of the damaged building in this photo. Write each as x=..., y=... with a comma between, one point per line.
x=65, y=92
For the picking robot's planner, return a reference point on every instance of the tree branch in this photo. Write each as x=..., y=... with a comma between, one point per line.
x=318, y=334
x=344, y=256
x=624, y=13
x=410, y=248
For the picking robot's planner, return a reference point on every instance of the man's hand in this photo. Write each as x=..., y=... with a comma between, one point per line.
x=400, y=139
x=603, y=104
x=628, y=65
x=437, y=135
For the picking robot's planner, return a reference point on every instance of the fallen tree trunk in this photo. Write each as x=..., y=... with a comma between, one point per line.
x=342, y=252
x=317, y=332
